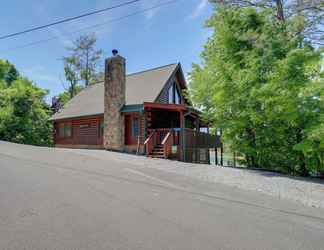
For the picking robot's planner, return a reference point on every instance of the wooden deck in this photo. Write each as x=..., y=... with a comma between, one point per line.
x=181, y=144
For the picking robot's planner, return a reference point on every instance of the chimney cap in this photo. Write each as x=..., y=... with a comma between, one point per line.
x=114, y=52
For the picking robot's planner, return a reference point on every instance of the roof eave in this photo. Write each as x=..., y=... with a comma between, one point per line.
x=75, y=117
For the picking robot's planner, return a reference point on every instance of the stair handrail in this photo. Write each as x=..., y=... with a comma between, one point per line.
x=150, y=142
x=167, y=144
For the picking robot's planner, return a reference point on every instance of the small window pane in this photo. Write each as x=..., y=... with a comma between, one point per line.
x=100, y=128
x=61, y=130
x=177, y=96
x=136, y=127
x=68, y=130
x=171, y=94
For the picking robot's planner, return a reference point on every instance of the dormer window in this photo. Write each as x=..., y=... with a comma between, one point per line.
x=174, y=95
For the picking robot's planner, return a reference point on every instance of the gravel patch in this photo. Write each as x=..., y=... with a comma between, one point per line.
x=307, y=191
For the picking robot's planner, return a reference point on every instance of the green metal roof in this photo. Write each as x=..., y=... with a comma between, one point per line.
x=132, y=108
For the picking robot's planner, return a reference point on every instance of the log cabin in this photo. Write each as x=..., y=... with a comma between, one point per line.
x=146, y=112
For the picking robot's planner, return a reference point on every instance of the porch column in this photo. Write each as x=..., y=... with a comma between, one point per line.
x=197, y=124
x=181, y=120
x=182, y=137
x=216, y=156
x=221, y=159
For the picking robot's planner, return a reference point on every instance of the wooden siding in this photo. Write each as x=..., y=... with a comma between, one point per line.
x=85, y=131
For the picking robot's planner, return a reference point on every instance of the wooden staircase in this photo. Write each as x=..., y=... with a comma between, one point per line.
x=157, y=152
x=159, y=143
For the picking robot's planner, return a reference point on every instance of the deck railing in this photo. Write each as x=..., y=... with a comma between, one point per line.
x=197, y=139
x=190, y=144
x=150, y=142
x=159, y=134
x=167, y=144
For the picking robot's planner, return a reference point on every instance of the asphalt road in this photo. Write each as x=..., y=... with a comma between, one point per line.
x=59, y=199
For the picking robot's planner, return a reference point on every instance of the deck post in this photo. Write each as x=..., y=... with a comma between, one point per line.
x=182, y=137
x=197, y=151
x=216, y=156
x=221, y=160
x=208, y=150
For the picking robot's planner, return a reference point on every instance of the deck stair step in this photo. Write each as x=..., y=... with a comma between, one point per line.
x=157, y=152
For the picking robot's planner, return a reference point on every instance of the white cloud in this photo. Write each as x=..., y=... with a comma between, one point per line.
x=199, y=9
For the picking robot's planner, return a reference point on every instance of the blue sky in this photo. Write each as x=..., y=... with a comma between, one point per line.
x=172, y=33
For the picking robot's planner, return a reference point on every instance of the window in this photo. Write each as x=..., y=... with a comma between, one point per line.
x=136, y=127
x=174, y=95
x=61, y=130
x=65, y=130
x=100, y=128
x=171, y=99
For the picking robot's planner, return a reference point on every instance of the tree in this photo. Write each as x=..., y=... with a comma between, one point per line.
x=306, y=15
x=8, y=72
x=71, y=67
x=84, y=61
x=81, y=66
x=263, y=87
x=24, y=114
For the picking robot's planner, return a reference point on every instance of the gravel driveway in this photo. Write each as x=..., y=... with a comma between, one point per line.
x=309, y=192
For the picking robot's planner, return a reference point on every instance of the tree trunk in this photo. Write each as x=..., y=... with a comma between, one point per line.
x=280, y=12
x=72, y=90
x=303, y=169
x=87, y=69
x=252, y=144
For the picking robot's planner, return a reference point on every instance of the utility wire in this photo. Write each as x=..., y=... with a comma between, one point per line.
x=99, y=25
x=67, y=19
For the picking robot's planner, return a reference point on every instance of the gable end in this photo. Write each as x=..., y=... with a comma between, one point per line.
x=179, y=80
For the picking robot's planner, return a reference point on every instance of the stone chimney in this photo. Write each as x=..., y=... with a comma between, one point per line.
x=114, y=100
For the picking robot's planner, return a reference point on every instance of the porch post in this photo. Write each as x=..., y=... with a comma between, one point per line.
x=182, y=137
x=216, y=156
x=196, y=153
x=221, y=159
x=197, y=125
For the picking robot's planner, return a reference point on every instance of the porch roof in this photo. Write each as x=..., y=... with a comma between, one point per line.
x=173, y=107
x=132, y=108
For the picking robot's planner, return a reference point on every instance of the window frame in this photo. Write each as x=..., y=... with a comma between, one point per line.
x=100, y=128
x=171, y=94
x=66, y=126
x=177, y=96
x=62, y=130
x=136, y=131
x=174, y=96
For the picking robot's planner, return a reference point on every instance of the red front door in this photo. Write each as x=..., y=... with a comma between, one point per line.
x=128, y=130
